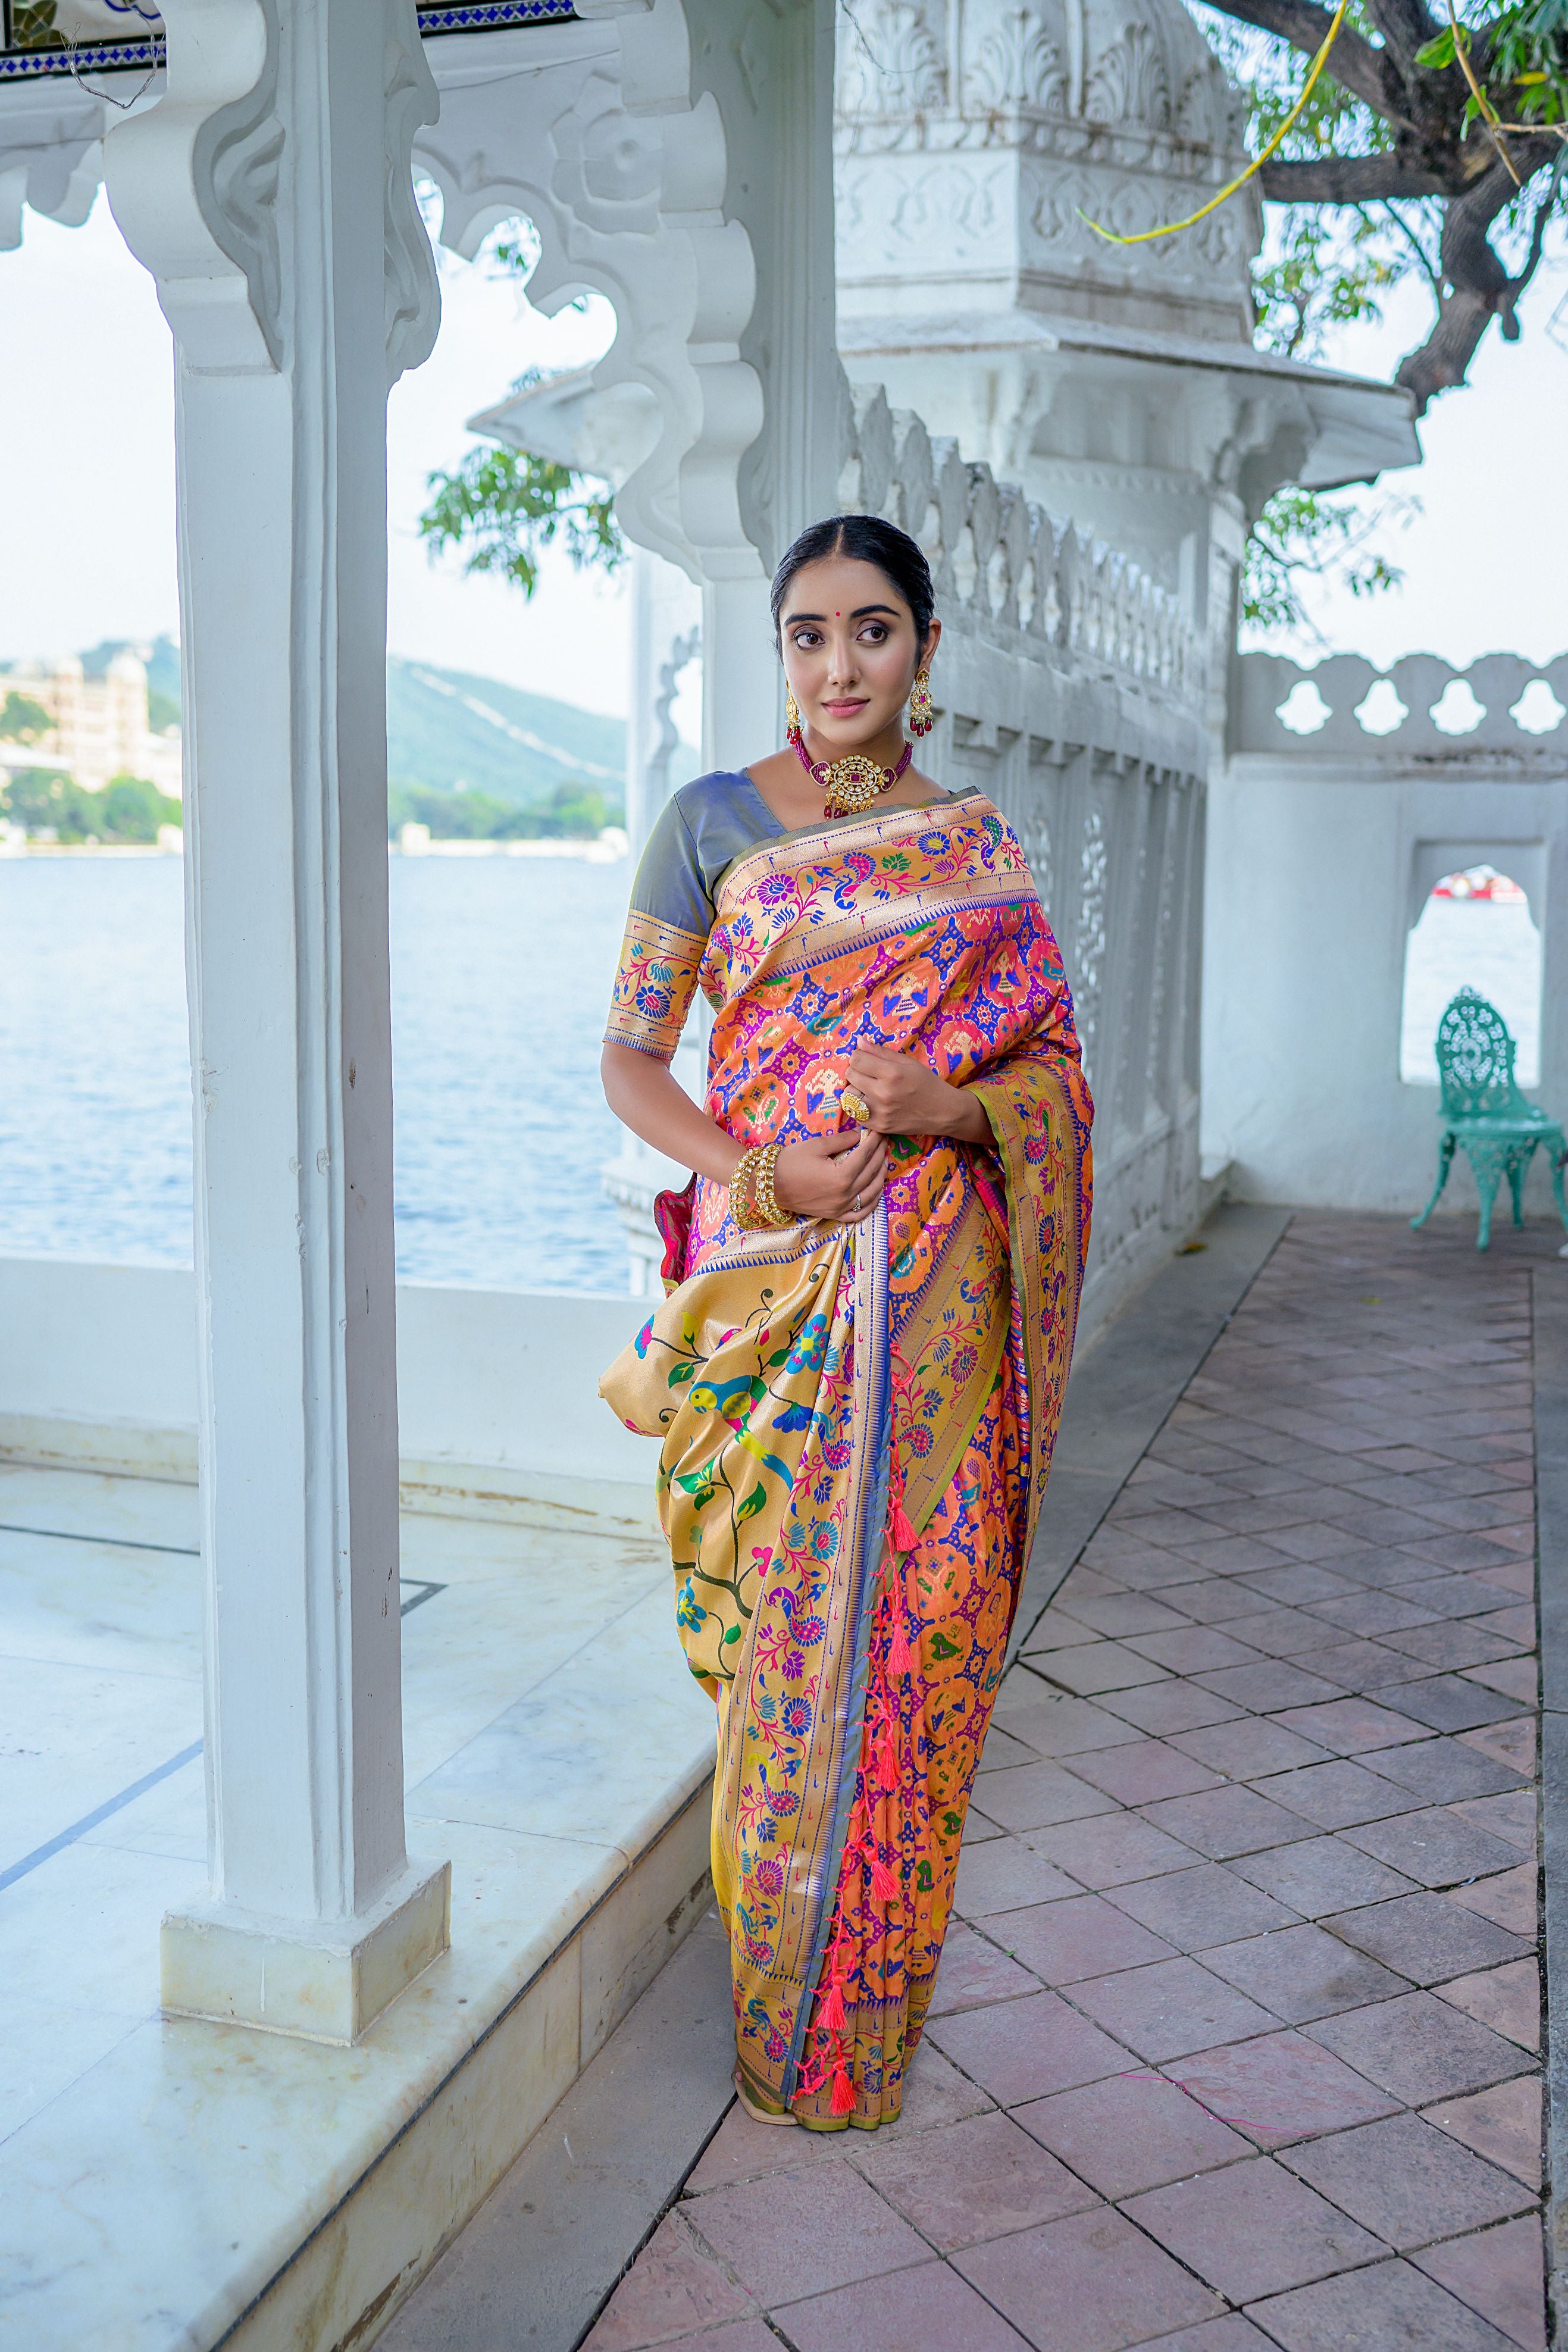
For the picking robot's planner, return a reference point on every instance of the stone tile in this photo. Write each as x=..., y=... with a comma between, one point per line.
x=1251, y=2230
x=1166, y=1707
x=1194, y=1647
x=1278, y=1632
x=1350, y=1726
x=1003, y=1875
x=802, y=2232
x=1427, y=1936
x=1111, y=1850
x=1027, y=2049
x=1190, y=1908
x=1169, y=2008
x=737, y=2336
x=1144, y=1770
x=743, y=2150
x=1511, y=1817
x=1232, y=1555
x=1248, y=1749
x=1516, y=1623
x=1513, y=1745
x=1435, y=1848
x=1516, y=1678
x=1450, y=1596
x=1507, y=1999
x=1373, y=2310
x=1359, y=1665
x=1301, y=1586
x=1418, y=2047
x=1089, y=2283
x=1322, y=1542
x=1131, y=2132
x=973, y=1973
x=1509, y=1899
x=1091, y=1667
x=1449, y=1703
x=1334, y=1795
x=1232, y=2333
x=674, y=2288
x=1408, y=2182
x=1280, y=2088
x=1320, y=1875
x=1441, y=1770
x=1055, y=1630
x=1271, y=1686
x=1499, y=2273
x=1002, y=1750
x=975, y=2179
x=1454, y=1641
x=935, y=2093
x=929, y=2309
x=1116, y=1615
x=1049, y=1721
x=1226, y=1821
x=1212, y=1601
x=1034, y=1796
x=1502, y=2125
x=1064, y=1942
x=1302, y=1973
x=1363, y=1611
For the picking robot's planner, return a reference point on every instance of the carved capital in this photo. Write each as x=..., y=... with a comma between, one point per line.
x=194, y=186
x=413, y=288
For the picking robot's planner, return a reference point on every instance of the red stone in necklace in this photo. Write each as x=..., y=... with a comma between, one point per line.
x=854, y=782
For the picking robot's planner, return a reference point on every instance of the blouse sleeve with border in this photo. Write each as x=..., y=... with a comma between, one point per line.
x=667, y=929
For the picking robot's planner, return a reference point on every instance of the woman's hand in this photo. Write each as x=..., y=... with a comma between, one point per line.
x=833, y=1176
x=906, y=1098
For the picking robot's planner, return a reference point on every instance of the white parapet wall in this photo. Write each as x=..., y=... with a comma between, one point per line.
x=497, y=1390
x=1323, y=846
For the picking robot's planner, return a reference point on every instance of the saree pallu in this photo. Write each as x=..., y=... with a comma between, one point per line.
x=857, y=1422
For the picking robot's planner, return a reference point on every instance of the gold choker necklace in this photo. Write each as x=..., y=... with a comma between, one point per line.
x=854, y=782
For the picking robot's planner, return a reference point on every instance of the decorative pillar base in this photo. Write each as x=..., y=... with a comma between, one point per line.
x=324, y=1983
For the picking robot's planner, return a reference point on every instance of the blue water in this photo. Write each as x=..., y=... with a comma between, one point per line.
x=501, y=972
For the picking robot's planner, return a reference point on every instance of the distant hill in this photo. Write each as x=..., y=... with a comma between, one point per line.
x=452, y=731
x=449, y=730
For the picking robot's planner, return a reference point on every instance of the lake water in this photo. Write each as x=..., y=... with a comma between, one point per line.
x=501, y=974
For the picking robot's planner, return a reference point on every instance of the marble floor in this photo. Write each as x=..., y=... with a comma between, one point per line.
x=549, y=1735
x=1235, y=2041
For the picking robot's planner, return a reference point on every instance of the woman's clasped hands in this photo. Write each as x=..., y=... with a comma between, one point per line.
x=841, y=1176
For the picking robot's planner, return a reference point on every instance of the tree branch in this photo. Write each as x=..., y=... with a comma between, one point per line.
x=1481, y=289
x=1348, y=180
x=1406, y=27
x=1354, y=63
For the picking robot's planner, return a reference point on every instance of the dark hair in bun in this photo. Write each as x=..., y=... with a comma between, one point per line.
x=871, y=540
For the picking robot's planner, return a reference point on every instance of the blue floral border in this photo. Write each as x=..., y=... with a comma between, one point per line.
x=146, y=55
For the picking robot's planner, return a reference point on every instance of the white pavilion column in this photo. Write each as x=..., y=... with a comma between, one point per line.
x=269, y=193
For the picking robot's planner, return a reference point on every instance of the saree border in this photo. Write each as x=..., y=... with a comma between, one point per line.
x=872, y=1426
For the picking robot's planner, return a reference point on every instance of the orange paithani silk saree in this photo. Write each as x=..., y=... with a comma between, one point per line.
x=856, y=1423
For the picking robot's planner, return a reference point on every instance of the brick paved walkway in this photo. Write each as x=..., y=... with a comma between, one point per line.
x=1234, y=2041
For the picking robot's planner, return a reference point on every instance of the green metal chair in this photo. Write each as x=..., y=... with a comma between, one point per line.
x=1483, y=1111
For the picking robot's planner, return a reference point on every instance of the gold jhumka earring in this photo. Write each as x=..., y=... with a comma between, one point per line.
x=791, y=715
x=921, y=717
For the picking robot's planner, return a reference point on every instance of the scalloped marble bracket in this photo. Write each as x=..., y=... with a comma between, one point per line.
x=623, y=173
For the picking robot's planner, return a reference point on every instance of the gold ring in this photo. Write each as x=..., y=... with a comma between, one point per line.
x=855, y=1103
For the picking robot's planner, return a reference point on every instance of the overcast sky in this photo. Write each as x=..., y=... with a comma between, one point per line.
x=86, y=426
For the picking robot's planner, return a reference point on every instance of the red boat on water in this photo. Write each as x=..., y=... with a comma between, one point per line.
x=1483, y=883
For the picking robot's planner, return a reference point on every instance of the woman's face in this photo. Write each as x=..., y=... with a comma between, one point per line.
x=850, y=650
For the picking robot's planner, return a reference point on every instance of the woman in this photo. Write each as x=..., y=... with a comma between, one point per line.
x=874, y=1282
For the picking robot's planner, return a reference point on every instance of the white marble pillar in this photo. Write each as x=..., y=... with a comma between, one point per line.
x=269, y=193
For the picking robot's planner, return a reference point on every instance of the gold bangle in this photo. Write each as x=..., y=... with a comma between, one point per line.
x=754, y=1204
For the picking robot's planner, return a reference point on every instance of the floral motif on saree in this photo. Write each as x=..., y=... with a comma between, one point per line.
x=857, y=1422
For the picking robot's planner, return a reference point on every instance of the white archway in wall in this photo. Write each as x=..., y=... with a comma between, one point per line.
x=1477, y=924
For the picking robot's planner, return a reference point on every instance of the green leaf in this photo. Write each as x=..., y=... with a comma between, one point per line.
x=753, y=1504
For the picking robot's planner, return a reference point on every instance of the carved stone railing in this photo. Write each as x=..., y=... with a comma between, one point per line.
x=1069, y=687
x=1006, y=563
x=1501, y=713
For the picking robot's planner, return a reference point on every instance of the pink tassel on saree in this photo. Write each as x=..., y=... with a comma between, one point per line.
x=857, y=1423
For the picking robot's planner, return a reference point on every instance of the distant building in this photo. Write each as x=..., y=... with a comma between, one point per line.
x=100, y=726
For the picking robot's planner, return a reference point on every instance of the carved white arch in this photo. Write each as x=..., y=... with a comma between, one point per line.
x=592, y=132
